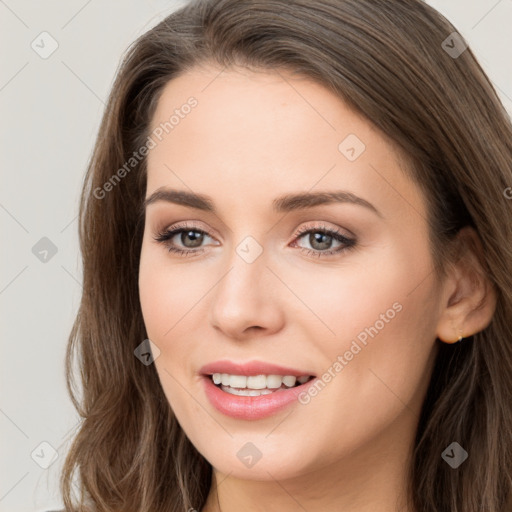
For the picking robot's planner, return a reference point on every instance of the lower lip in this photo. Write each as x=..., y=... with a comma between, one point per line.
x=252, y=407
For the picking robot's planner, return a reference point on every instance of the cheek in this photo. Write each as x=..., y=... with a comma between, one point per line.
x=167, y=298
x=375, y=294
x=167, y=292
x=173, y=300
x=374, y=323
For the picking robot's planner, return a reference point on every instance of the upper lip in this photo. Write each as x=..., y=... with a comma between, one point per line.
x=250, y=368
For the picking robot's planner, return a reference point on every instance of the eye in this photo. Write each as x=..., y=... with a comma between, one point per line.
x=321, y=238
x=190, y=236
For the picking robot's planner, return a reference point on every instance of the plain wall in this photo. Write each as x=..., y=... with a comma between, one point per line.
x=51, y=109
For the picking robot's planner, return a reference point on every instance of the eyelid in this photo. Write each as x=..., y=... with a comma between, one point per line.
x=349, y=242
x=321, y=226
x=189, y=224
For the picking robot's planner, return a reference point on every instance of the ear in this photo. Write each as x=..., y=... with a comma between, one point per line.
x=469, y=297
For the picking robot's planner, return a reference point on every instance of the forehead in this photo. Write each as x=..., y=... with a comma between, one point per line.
x=260, y=133
x=260, y=111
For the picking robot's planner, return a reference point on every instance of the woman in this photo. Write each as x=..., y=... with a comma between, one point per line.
x=296, y=234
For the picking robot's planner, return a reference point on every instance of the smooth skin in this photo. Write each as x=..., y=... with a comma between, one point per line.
x=255, y=136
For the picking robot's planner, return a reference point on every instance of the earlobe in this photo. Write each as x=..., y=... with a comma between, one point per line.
x=469, y=302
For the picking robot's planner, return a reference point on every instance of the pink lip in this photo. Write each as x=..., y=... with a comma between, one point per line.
x=250, y=368
x=252, y=407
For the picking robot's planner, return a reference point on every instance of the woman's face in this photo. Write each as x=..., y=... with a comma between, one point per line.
x=338, y=286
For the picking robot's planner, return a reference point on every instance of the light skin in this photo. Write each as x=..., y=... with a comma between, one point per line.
x=255, y=136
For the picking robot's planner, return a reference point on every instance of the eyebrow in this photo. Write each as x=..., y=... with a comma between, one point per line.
x=282, y=204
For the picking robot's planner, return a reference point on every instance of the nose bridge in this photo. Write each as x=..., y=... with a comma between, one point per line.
x=241, y=299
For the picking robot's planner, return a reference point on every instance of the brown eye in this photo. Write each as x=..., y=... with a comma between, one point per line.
x=321, y=241
x=183, y=240
x=196, y=238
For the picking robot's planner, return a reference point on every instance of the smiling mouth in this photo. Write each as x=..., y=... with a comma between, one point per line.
x=256, y=385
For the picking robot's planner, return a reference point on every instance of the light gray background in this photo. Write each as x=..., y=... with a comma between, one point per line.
x=51, y=109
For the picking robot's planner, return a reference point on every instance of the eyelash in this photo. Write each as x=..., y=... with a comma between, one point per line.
x=164, y=237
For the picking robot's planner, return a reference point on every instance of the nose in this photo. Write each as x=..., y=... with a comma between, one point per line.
x=245, y=301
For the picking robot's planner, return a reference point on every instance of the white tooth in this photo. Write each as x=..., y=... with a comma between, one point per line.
x=233, y=391
x=246, y=392
x=257, y=382
x=289, y=380
x=258, y=392
x=274, y=381
x=237, y=381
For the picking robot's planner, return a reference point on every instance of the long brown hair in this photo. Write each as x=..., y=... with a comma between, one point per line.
x=387, y=59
